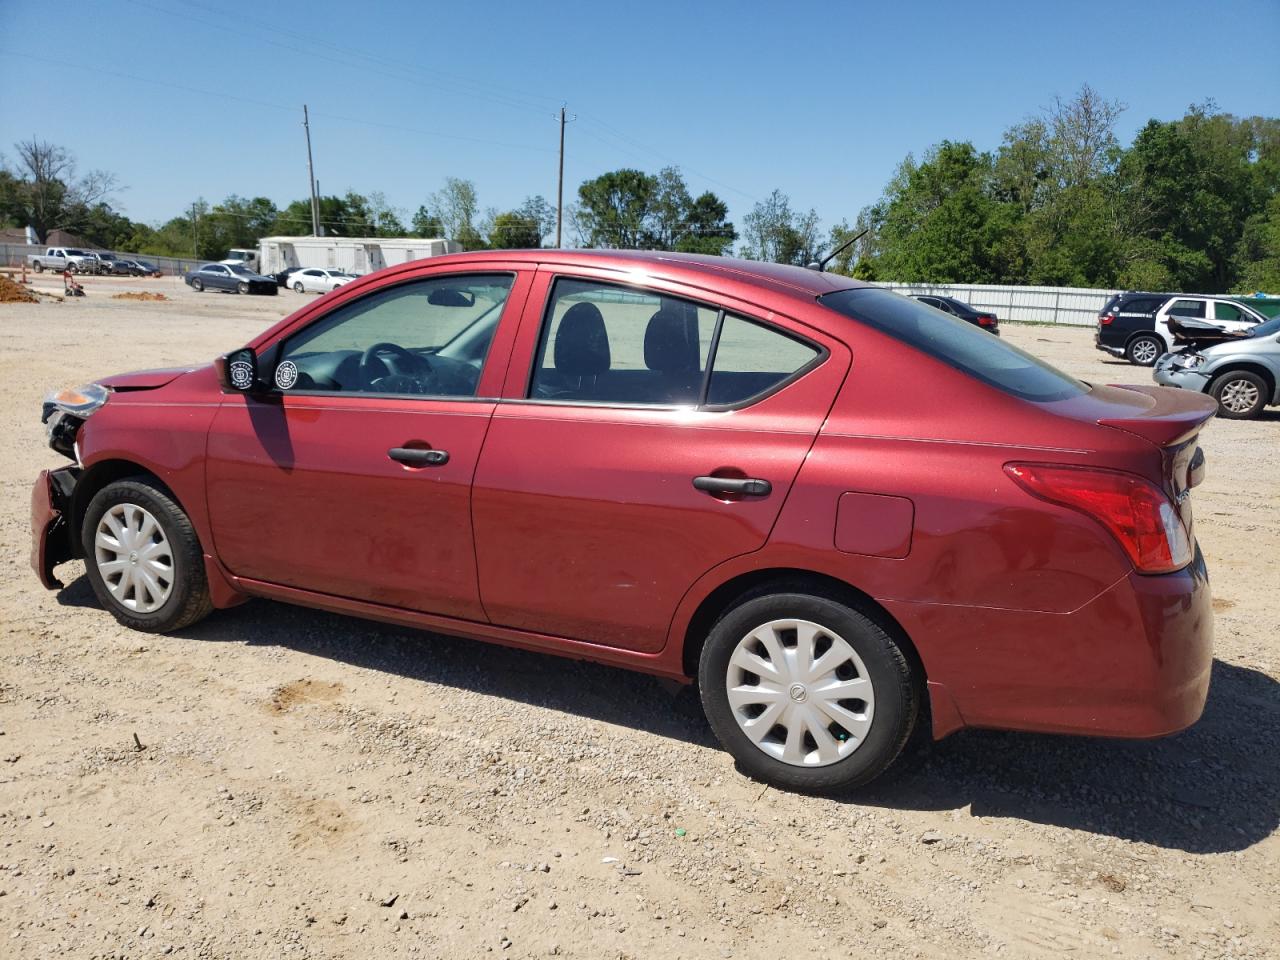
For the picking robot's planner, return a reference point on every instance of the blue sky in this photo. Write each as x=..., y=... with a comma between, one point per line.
x=188, y=98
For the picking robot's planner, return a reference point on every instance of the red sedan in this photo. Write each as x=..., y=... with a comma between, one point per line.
x=841, y=512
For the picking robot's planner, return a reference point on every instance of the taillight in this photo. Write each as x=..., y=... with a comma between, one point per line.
x=1106, y=319
x=1136, y=512
x=986, y=321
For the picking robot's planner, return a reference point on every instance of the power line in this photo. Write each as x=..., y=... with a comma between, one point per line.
x=266, y=103
x=384, y=66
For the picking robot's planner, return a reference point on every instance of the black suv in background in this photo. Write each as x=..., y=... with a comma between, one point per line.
x=1127, y=327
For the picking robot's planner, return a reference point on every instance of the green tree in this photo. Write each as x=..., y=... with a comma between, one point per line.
x=706, y=227
x=456, y=206
x=773, y=231
x=615, y=209
x=425, y=224
x=514, y=230
x=46, y=192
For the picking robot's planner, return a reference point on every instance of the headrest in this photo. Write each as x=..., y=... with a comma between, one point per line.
x=671, y=342
x=582, y=344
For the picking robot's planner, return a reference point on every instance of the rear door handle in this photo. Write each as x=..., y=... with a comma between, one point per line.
x=748, y=487
x=417, y=457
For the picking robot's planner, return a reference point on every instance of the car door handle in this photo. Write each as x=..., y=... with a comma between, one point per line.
x=418, y=457
x=746, y=486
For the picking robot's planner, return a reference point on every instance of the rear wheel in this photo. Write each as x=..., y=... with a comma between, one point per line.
x=1144, y=350
x=1240, y=394
x=143, y=557
x=298, y=287
x=807, y=693
x=39, y=267
x=197, y=285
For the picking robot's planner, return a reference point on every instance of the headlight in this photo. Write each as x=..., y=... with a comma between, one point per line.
x=1191, y=362
x=79, y=402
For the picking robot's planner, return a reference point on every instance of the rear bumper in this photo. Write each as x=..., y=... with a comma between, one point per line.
x=51, y=540
x=1100, y=343
x=1133, y=662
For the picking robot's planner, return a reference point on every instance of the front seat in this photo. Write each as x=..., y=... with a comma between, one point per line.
x=582, y=350
x=671, y=351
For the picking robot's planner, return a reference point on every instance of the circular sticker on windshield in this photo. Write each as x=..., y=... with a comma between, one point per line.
x=241, y=374
x=286, y=375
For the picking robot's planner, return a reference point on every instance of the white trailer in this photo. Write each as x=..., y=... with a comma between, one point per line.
x=357, y=255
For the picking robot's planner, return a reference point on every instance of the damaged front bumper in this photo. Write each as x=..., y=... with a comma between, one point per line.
x=52, y=539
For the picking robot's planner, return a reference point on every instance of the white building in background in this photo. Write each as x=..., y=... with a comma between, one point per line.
x=351, y=254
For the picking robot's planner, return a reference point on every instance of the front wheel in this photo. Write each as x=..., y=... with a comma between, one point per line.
x=807, y=693
x=197, y=285
x=1144, y=350
x=242, y=287
x=72, y=268
x=143, y=557
x=1241, y=394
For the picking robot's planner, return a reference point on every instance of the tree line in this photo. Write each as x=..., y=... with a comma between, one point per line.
x=1190, y=204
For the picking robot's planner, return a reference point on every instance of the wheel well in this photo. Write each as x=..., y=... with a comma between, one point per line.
x=1267, y=377
x=1142, y=333
x=736, y=591
x=98, y=476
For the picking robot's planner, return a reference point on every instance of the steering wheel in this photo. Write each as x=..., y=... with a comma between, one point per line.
x=374, y=373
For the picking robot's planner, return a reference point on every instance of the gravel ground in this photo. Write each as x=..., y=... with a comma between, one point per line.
x=309, y=785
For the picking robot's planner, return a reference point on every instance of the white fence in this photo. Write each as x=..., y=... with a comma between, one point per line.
x=1077, y=306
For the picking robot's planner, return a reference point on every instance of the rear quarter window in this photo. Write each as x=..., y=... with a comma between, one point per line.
x=958, y=344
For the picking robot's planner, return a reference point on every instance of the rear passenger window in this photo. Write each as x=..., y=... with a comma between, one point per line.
x=752, y=359
x=1187, y=308
x=1225, y=311
x=609, y=344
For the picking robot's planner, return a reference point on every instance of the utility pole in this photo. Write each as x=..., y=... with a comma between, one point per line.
x=311, y=176
x=560, y=180
x=195, y=235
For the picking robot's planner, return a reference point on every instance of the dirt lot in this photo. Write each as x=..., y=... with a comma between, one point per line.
x=316, y=786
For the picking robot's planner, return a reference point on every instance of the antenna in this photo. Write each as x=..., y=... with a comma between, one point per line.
x=821, y=265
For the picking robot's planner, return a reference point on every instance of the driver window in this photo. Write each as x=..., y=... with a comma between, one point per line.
x=422, y=338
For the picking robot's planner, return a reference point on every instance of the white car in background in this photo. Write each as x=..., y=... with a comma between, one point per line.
x=1229, y=314
x=317, y=280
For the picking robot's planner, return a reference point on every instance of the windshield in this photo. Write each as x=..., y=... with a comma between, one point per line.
x=239, y=269
x=76, y=253
x=1266, y=329
x=961, y=345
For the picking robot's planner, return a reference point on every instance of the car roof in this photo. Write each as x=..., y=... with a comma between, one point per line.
x=692, y=268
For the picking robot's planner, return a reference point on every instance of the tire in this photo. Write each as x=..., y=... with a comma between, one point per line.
x=1241, y=394
x=73, y=268
x=859, y=649
x=242, y=287
x=298, y=288
x=133, y=506
x=39, y=268
x=197, y=285
x=1144, y=350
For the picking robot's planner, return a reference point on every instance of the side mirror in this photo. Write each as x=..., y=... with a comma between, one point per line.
x=238, y=370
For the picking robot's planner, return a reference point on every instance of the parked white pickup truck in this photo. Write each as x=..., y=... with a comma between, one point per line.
x=59, y=259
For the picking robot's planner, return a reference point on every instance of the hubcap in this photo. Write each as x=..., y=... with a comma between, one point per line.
x=1144, y=351
x=133, y=556
x=800, y=693
x=1239, y=396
